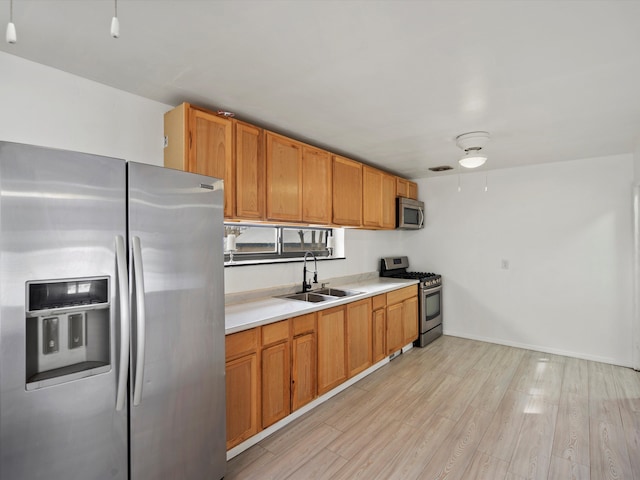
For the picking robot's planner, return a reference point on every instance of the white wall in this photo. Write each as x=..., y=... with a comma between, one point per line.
x=566, y=228
x=636, y=215
x=47, y=107
x=566, y=231
x=363, y=249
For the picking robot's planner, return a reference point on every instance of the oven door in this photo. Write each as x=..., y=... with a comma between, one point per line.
x=431, y=308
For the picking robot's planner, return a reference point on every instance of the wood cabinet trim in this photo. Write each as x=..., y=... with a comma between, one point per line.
x=241, y=343
x=275, y=332
x=397, y=296
x=303, y=324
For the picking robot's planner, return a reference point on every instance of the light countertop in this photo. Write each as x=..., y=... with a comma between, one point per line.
x=243, y=316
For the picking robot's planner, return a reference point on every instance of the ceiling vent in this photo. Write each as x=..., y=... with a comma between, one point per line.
x=441, y=168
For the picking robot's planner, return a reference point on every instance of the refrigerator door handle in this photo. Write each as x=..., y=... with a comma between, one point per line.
x=123, y=293
x=140, y=319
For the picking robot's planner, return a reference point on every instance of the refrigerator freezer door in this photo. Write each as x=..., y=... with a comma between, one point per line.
x=178, y=420
x=59, y=215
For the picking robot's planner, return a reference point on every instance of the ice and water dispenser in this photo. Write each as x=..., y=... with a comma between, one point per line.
x=67, y=326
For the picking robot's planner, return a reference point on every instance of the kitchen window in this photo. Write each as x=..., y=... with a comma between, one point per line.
x=248, y=243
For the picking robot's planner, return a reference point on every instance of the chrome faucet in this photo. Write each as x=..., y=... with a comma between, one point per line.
x=306, y=286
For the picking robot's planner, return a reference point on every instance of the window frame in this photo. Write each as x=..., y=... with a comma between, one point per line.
x=279, y=254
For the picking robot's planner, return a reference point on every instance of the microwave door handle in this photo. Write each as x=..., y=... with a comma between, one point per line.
x=140, y=320
x=125, y=322
x=421, y=218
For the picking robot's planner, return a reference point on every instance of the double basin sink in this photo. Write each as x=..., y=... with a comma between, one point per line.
x=321, y=295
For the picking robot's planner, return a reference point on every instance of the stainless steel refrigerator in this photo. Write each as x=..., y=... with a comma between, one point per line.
x=111, y=319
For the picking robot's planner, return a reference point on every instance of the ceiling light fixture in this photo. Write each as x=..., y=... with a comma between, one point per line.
x=115, y=23
x=11, y=28
x=472, y=144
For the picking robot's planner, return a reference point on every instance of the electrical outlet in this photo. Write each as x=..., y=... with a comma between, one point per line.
x=166, y=141
x=504, y=264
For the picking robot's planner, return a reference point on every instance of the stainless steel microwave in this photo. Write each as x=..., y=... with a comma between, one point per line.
x=409, y=214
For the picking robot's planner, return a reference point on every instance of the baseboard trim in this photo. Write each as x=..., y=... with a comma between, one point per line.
x=538, y=348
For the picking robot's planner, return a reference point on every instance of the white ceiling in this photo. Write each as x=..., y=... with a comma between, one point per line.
x=390, y=83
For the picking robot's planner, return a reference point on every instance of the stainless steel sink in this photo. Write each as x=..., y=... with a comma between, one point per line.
x=321, y=295
x=309, y=297
x=336, y=292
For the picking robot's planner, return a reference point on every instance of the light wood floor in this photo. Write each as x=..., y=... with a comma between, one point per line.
x=462, y=409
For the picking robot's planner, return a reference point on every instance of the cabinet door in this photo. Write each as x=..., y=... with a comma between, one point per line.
x=303, y=370
x=379, y=327
x=276, y=378
x=284, y=178
x=359, y=346
x=242, y=399
x=250, y=172
x=347, y=192
x=402, y=187
x=332, y=363
x=395, y=336
x=371, y=197
x=413, y=190
x=410, y=319
x=316, y=186
x=210, y=149
x=388, y=201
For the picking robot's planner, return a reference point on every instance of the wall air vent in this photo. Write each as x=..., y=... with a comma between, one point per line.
x=441, y=168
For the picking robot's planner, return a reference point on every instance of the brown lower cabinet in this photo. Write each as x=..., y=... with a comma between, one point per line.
x=379, y=327
x=402, y=317
x=359, y=343
x=303, y=361
x=276, y=373
x=332, y=355
x=242, y=383
x=275, y=369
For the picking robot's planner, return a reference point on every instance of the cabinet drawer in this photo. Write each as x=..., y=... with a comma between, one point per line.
x=402, y=294
x=275, y=332
x=241, y=343
x=379, y=301
x=304, y=324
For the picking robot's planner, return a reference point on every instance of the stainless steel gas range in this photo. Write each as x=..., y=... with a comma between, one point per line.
x=429, y=291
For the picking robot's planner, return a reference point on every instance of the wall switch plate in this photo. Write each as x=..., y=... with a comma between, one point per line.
x=166, y=141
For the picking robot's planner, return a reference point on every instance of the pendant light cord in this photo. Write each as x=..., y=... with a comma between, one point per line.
x=11, y=11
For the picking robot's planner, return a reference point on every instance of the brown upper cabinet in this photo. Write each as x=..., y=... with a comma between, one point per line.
x=250, y=171
x=347, y=192
x=317, y=180
x=271, y=177
x=299, y=180
x=378, y=198
x=284, y=178
x=200, y=142
x=406, y=189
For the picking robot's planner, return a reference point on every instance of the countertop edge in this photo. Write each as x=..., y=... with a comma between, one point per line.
x=240, y=317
